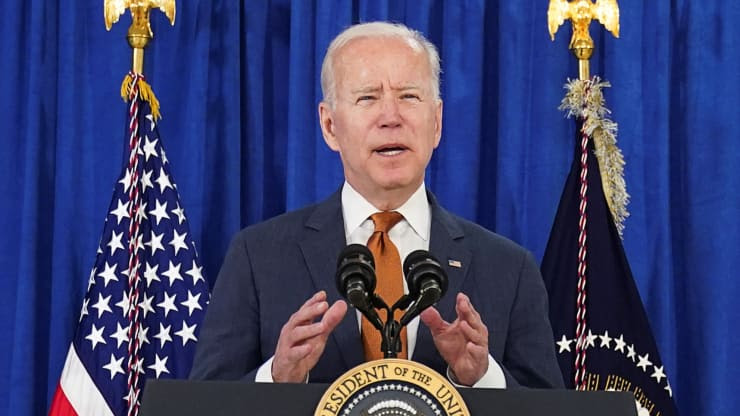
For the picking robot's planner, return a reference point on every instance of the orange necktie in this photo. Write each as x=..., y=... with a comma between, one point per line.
x=389, y=281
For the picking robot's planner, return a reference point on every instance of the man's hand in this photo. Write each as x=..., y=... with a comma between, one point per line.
x=463, y=343
x=302, y=340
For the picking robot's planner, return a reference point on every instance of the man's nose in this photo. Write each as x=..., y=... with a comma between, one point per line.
x=390, y=115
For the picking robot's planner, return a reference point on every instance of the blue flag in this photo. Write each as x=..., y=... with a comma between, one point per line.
x=146, y=294
x=617, y=349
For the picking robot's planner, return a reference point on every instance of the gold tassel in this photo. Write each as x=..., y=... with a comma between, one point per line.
x=125, y=87
x=585, y=99
x=145, y=92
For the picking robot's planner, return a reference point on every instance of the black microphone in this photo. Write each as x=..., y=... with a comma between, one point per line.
x=427, y=282
x=356, y=280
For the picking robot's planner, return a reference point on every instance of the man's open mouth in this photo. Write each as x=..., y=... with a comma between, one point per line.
x=390, y=150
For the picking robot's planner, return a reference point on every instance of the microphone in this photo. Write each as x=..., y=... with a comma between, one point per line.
x=427, y=282
x=355, y=280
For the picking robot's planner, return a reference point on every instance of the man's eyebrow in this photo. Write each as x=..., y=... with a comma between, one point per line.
x=366, y=90
x=406, y=88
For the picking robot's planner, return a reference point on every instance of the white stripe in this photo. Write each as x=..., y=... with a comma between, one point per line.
x=79, y=388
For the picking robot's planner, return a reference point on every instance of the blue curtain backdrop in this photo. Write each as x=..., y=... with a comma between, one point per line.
x=238, y=85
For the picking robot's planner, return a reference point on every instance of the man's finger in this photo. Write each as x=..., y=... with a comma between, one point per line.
x=466, y=311
x=474, y=335
x=433, y=320
x=460, y=301
x=307, y=306
x=317, y=297
x=299, y=352
x=308, y=313
x=304, y=333
x=334, y=315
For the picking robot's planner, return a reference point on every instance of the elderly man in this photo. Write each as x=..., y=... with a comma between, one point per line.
x=275, y=314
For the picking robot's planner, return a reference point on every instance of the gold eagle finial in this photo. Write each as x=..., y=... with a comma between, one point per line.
x=113, y=9
x=580, y=13
x=140, y=32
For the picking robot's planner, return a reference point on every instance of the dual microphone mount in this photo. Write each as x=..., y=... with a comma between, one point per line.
x=426, y=280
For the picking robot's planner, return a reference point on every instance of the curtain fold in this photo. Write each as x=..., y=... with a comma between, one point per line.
x=238, y=83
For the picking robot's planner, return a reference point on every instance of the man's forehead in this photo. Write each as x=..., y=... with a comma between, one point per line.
x=359, y=48
x=356, y=83
x=361, y=56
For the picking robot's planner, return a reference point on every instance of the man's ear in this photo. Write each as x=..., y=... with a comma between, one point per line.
x=326, y=119
x=438, y=123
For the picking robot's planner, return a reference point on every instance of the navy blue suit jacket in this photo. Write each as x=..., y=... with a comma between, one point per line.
x=273, y=267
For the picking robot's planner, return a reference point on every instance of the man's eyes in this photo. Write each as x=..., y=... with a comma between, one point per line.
x=371, y=98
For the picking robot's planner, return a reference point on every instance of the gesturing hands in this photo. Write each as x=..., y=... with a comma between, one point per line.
x=302, y=340
x=463, y=343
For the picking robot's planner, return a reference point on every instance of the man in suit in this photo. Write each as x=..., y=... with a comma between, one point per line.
x=275, y=313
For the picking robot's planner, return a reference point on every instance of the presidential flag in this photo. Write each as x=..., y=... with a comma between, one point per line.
x=146, y=293
x=602, y=335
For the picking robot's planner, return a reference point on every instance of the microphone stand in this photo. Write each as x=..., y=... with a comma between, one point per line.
x=391, y=333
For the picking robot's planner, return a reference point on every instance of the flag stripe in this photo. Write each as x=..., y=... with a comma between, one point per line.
x=60, y=406
x=77, y=393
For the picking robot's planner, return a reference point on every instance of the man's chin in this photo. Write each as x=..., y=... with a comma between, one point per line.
x=391, y=183
x=399, y=185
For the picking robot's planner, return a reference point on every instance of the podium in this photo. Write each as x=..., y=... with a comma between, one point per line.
x=216, y=398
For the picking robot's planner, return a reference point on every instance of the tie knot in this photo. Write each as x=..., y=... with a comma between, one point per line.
x=385, y=220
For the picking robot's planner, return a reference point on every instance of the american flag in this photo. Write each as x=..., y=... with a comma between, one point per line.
x=146, y=294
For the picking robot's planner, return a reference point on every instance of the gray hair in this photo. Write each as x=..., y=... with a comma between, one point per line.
x=415, y=39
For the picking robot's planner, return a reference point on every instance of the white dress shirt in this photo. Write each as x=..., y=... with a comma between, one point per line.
x=409, y=234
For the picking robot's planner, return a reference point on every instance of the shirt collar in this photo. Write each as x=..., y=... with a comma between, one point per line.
x=356, y=209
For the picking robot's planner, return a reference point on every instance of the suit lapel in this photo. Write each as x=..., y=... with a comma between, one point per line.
x=446, y=245
x=324, y=239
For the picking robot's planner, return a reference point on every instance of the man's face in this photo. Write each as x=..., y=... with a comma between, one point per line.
x=386, y=121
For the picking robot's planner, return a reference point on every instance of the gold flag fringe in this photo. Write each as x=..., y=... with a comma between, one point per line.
x=584, y=99
x=145, y=92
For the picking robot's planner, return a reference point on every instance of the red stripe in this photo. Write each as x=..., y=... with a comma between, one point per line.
x=60, y=406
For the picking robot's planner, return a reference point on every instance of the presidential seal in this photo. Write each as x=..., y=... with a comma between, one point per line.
x=391, y=387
